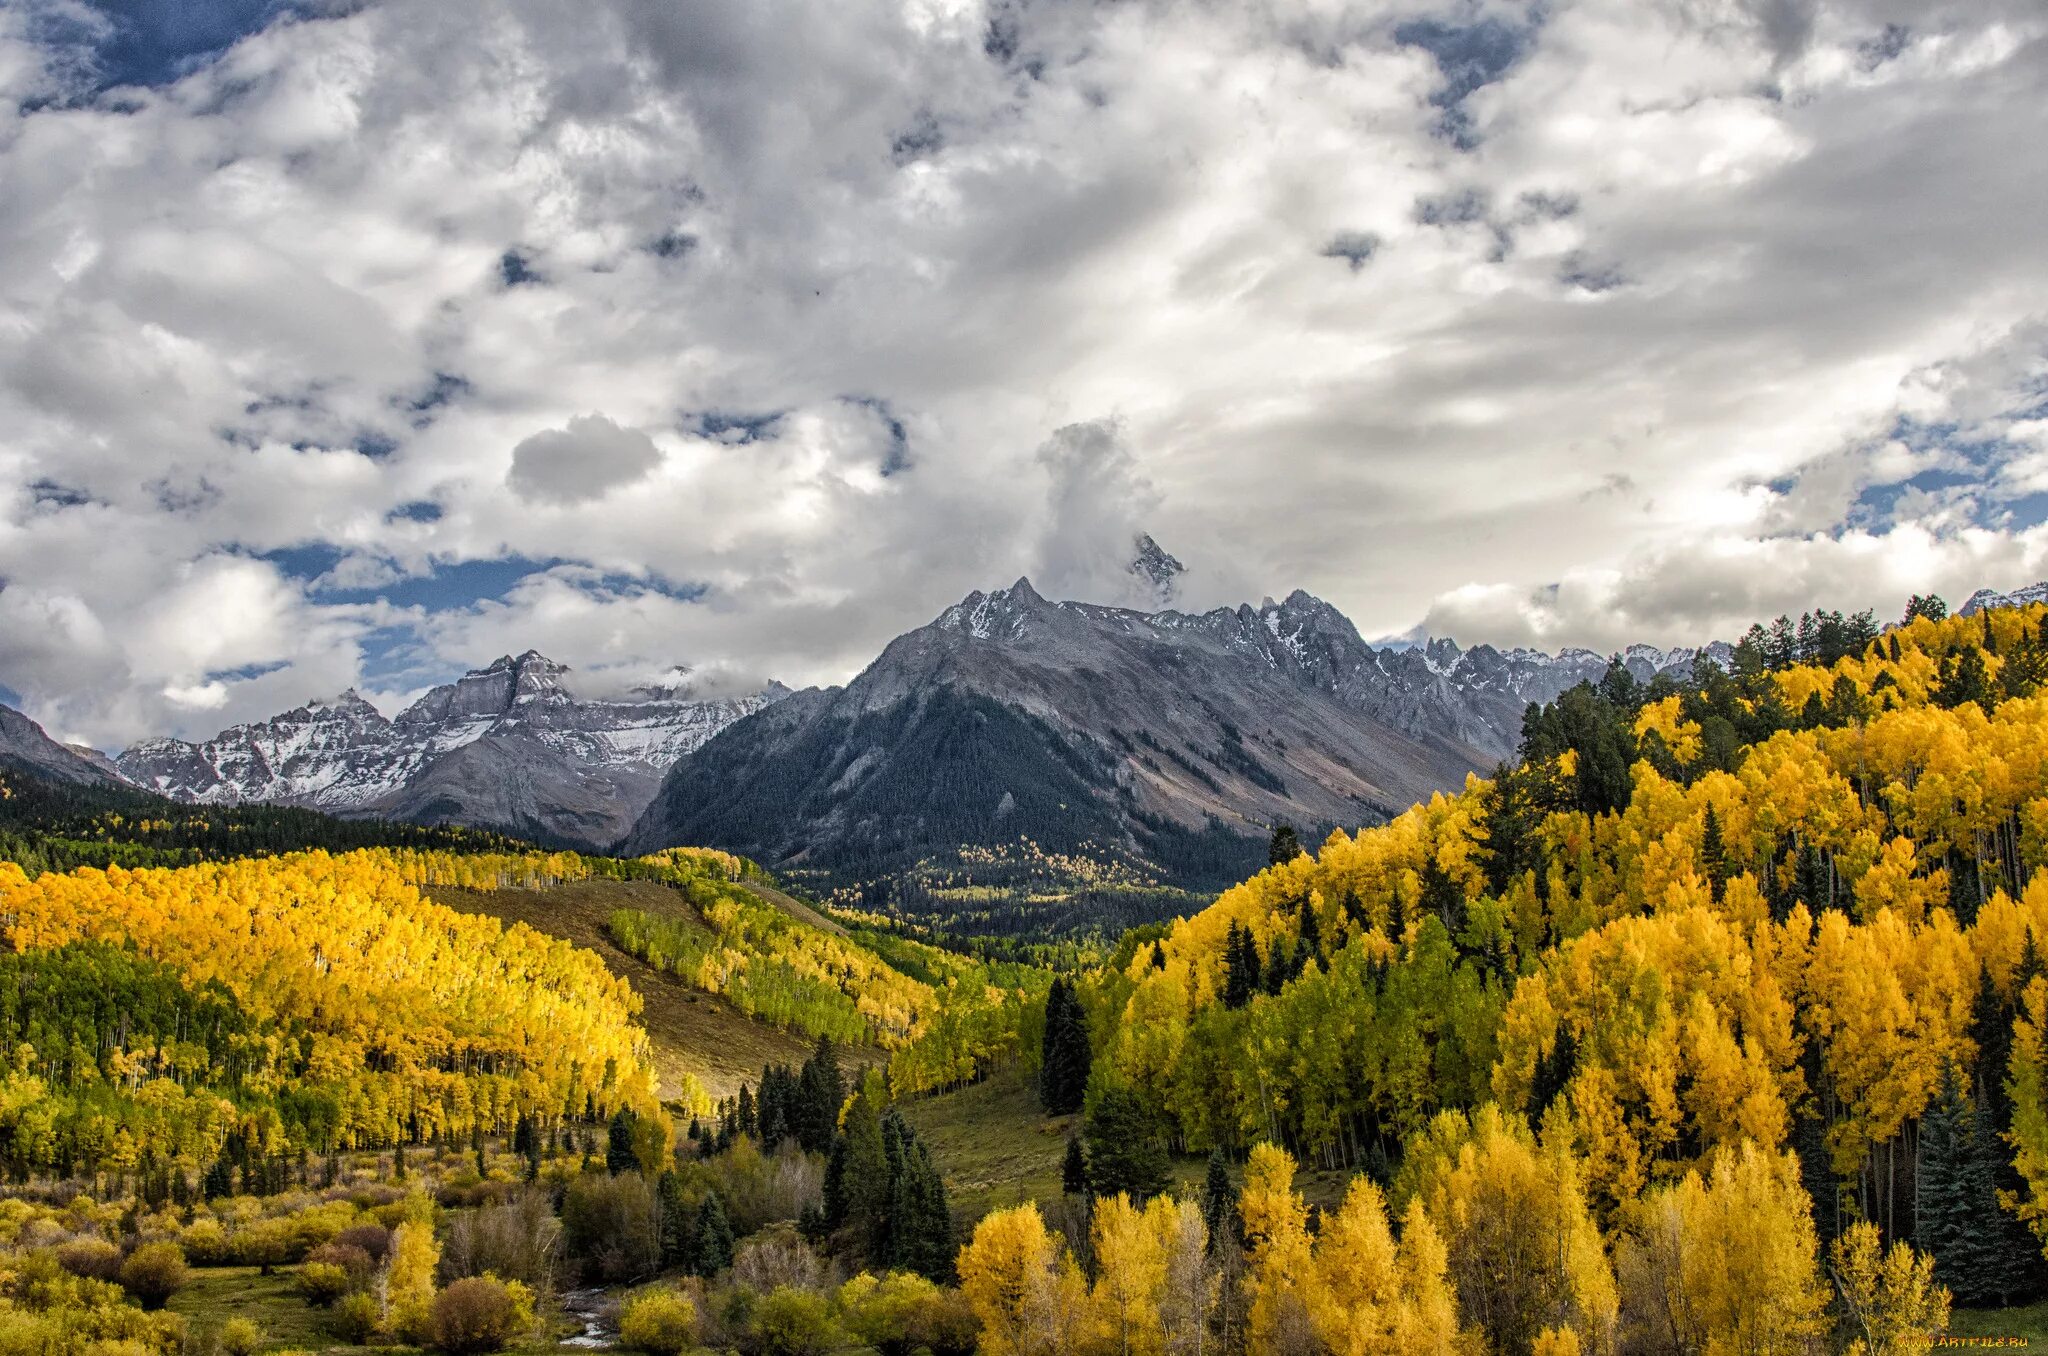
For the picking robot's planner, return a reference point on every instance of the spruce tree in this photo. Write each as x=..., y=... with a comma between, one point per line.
x=1219, y=1199
x=714, y=1238
x=1553, y=1072
x=1158, y=955
x=1240, y=966
x=749, y=1123
x=1074, y=1169
x=677, y=1222
x=1713, y=854
x=1278, y=967
x=1954, y=1191
x=1124, y=1153
x=1285, y=846
x=1066, y=1058
x=1310, y=944
x=618, y=1153
x=819, y=1095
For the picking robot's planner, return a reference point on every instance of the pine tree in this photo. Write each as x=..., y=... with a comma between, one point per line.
x=1713, y=854
x=618, y=1154
x=1066, y=1058
x=1955, y=1192
x=1158, y=955
x=1310, y=946
x=1124, y=1153
x=1553, y=1072
x=1278, y=967
x=749, y=1123
x=1285, y=846
x=714, y=1238
x=1219, y=1199
x=678, y=1223
x=819, y=1096
x=1074, y=1169
x=1241, y=975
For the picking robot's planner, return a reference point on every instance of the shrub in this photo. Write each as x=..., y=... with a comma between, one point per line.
x=355, y=1318
x=153, y=1273
x=92, y=1257
x=658, y=1321
x=792, y=1322
x=904, y=1312
x=776, y=1257
x=610, y=1226
x=373, y=1239
x=322, y=1283
x=479, y=1314
x=517, y=1240
x=205, y=1241
x=240, y=1337
x=351, y=1259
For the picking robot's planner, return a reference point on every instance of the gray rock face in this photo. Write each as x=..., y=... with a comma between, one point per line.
x=1984, y=599
x=25, y=748
x=1171, y=725
x=508, y=746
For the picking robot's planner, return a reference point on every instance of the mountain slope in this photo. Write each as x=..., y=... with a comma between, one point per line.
x=510, y=746
x=1169, y=739
x=25, y=748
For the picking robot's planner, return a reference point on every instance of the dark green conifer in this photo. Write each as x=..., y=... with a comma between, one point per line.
x=1074, y=1169
x=1285, y=846
x=618, y=1153
x=1124, y=1152
x=714, y=1238
x=1219, y=1199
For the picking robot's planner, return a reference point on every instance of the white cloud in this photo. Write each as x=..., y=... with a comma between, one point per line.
x=1727, y=307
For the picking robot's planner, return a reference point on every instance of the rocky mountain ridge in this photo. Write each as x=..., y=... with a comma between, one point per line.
x=508, y=746
x=1176, y=738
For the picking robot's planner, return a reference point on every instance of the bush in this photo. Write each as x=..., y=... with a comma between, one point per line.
x=355, y=1318
x=796, y=1323
x=903, y=1312
x=240, y=1337
x=322, y=1283
x=205, y=1241
x=350, y=1258
x=658, y=1321
x=479, y=1314
x=373, y=1239
x=90, y=1257
x=153, y=1273
x=517, y=1240
x=610, y=1226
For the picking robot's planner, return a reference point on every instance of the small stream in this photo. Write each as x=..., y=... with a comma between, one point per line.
x=587, y=1307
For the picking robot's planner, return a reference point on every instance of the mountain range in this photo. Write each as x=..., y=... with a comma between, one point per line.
x=1175, y=739
x=510, y=746
x=1171, y=739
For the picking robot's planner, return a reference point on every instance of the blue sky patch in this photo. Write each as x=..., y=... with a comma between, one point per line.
x=1469, y=57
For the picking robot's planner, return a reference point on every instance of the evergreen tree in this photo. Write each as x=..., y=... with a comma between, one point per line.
x=678, y=1223
x=1241, y=973
x=1310, y=945
x=1285, y=846
x=1713, y=854
x=1219, y=1199
x=1066, y=1058
x=1278, y=967
x=1443, y=897
x=1124, y=1153
x=1158, y=955
x=1074, y=1169
x=618, y=1153
x=533, y=1158
x=714, y=1238
x=1553, y=1072
x=1956, y=1199
x=398, y=1162
x=749, y=1123
x=819, y=1096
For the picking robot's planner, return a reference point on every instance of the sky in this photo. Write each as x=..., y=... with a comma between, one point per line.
x=355, y=344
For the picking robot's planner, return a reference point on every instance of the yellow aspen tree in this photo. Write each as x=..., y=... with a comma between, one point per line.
x=1029, y=1296
x=1280, y=1280
x=1894, y=1306
x=1130, y=1274
x=409, y=1280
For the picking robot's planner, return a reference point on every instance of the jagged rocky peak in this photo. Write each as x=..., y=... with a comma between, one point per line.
x=1984, y=599
x=492, y=691
x=1156, y=570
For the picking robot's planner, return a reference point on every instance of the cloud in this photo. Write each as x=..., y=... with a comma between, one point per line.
x=584, y=461
x=1572, y=323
